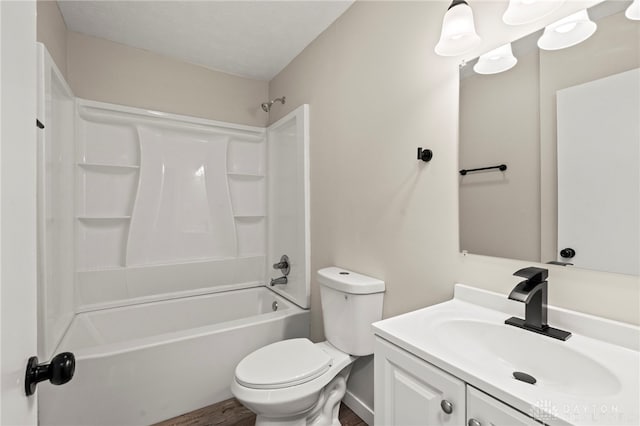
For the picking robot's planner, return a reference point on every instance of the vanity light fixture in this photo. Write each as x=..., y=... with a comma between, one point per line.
x=496, y=61
x=567, y=31
x=458, y=34
x=521, y=12
x=633, y=11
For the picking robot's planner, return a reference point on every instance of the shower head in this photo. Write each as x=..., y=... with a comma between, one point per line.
x=266, y=106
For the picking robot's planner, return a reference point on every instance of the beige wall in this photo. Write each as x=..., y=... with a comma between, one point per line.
x=52, y=32
x=102, y=70
x=376, y=92
x=500, y=211
x=105, y=71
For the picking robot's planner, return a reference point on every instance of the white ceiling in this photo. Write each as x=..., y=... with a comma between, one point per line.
x=254, y=39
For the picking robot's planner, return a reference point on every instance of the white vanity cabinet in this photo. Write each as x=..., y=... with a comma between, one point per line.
x=410, y=391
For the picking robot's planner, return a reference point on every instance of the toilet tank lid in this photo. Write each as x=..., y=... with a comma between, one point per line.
x=348, y=281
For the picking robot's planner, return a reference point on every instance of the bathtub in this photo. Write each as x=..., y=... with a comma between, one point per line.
x=145, y=363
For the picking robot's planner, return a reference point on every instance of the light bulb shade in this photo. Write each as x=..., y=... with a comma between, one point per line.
x=633, y=11
x=496, y=61
x=567, y=31
x=520, y=12
x=458, y=34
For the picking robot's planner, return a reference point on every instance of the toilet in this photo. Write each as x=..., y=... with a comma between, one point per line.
x=296, y=382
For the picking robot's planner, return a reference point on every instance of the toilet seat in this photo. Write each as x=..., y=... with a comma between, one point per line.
x=283, y=364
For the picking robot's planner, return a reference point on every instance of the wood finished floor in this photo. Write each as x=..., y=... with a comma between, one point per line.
x=231, y=412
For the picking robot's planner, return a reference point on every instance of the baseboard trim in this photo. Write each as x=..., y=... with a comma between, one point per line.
x=360, y=408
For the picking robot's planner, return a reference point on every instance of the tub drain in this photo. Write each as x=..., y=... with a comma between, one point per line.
x=274, y=305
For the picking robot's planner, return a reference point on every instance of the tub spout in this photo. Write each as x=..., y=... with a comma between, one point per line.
x=281, y=280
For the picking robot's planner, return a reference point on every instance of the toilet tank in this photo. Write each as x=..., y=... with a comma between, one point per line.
x=350, y=303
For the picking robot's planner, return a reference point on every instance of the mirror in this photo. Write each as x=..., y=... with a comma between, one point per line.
x=566, y=123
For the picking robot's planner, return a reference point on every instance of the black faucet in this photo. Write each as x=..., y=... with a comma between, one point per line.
x=533, y=293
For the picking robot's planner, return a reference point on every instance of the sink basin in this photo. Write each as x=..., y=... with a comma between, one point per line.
x=509, y=349
x=591, y=379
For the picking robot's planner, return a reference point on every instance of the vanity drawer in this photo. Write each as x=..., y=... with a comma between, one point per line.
x=483, y=410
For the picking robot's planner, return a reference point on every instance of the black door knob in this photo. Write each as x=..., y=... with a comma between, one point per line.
x=567, y=253
x=59, y=371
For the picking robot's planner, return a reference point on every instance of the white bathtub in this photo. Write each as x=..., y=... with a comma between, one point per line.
x=145, y=363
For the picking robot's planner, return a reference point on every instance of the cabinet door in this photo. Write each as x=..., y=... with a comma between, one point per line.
x=410, y=391
x=488, y=411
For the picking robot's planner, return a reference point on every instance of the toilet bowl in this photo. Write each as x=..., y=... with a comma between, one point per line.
x=294, y=400
x=296, y=382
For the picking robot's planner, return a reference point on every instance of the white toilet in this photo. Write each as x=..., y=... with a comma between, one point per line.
x=297, y=382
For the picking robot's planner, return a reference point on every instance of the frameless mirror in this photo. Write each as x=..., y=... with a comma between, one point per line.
x=566, y=124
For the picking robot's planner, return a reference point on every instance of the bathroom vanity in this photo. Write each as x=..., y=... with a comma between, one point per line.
x=416, y=392
x=454, y=364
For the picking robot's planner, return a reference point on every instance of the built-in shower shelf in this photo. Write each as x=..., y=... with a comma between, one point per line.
x=107, y=167
x=249, y=216
x=246, y=175
x=101, y=269
x=102, y=218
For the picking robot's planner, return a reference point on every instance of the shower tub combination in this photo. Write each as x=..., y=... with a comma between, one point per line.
x=145, y=363
x=152, y=270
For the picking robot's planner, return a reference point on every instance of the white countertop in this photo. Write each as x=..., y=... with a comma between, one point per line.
x=604, y=390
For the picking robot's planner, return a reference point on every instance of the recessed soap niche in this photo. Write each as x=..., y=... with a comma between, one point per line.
x=154, y=192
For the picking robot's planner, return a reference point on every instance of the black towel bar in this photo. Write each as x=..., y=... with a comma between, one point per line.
x=501, y=167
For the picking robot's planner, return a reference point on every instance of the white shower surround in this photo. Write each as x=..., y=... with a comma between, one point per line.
x=123, y=193
x=55, y=205
x=119, y=295
x=166, y=204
